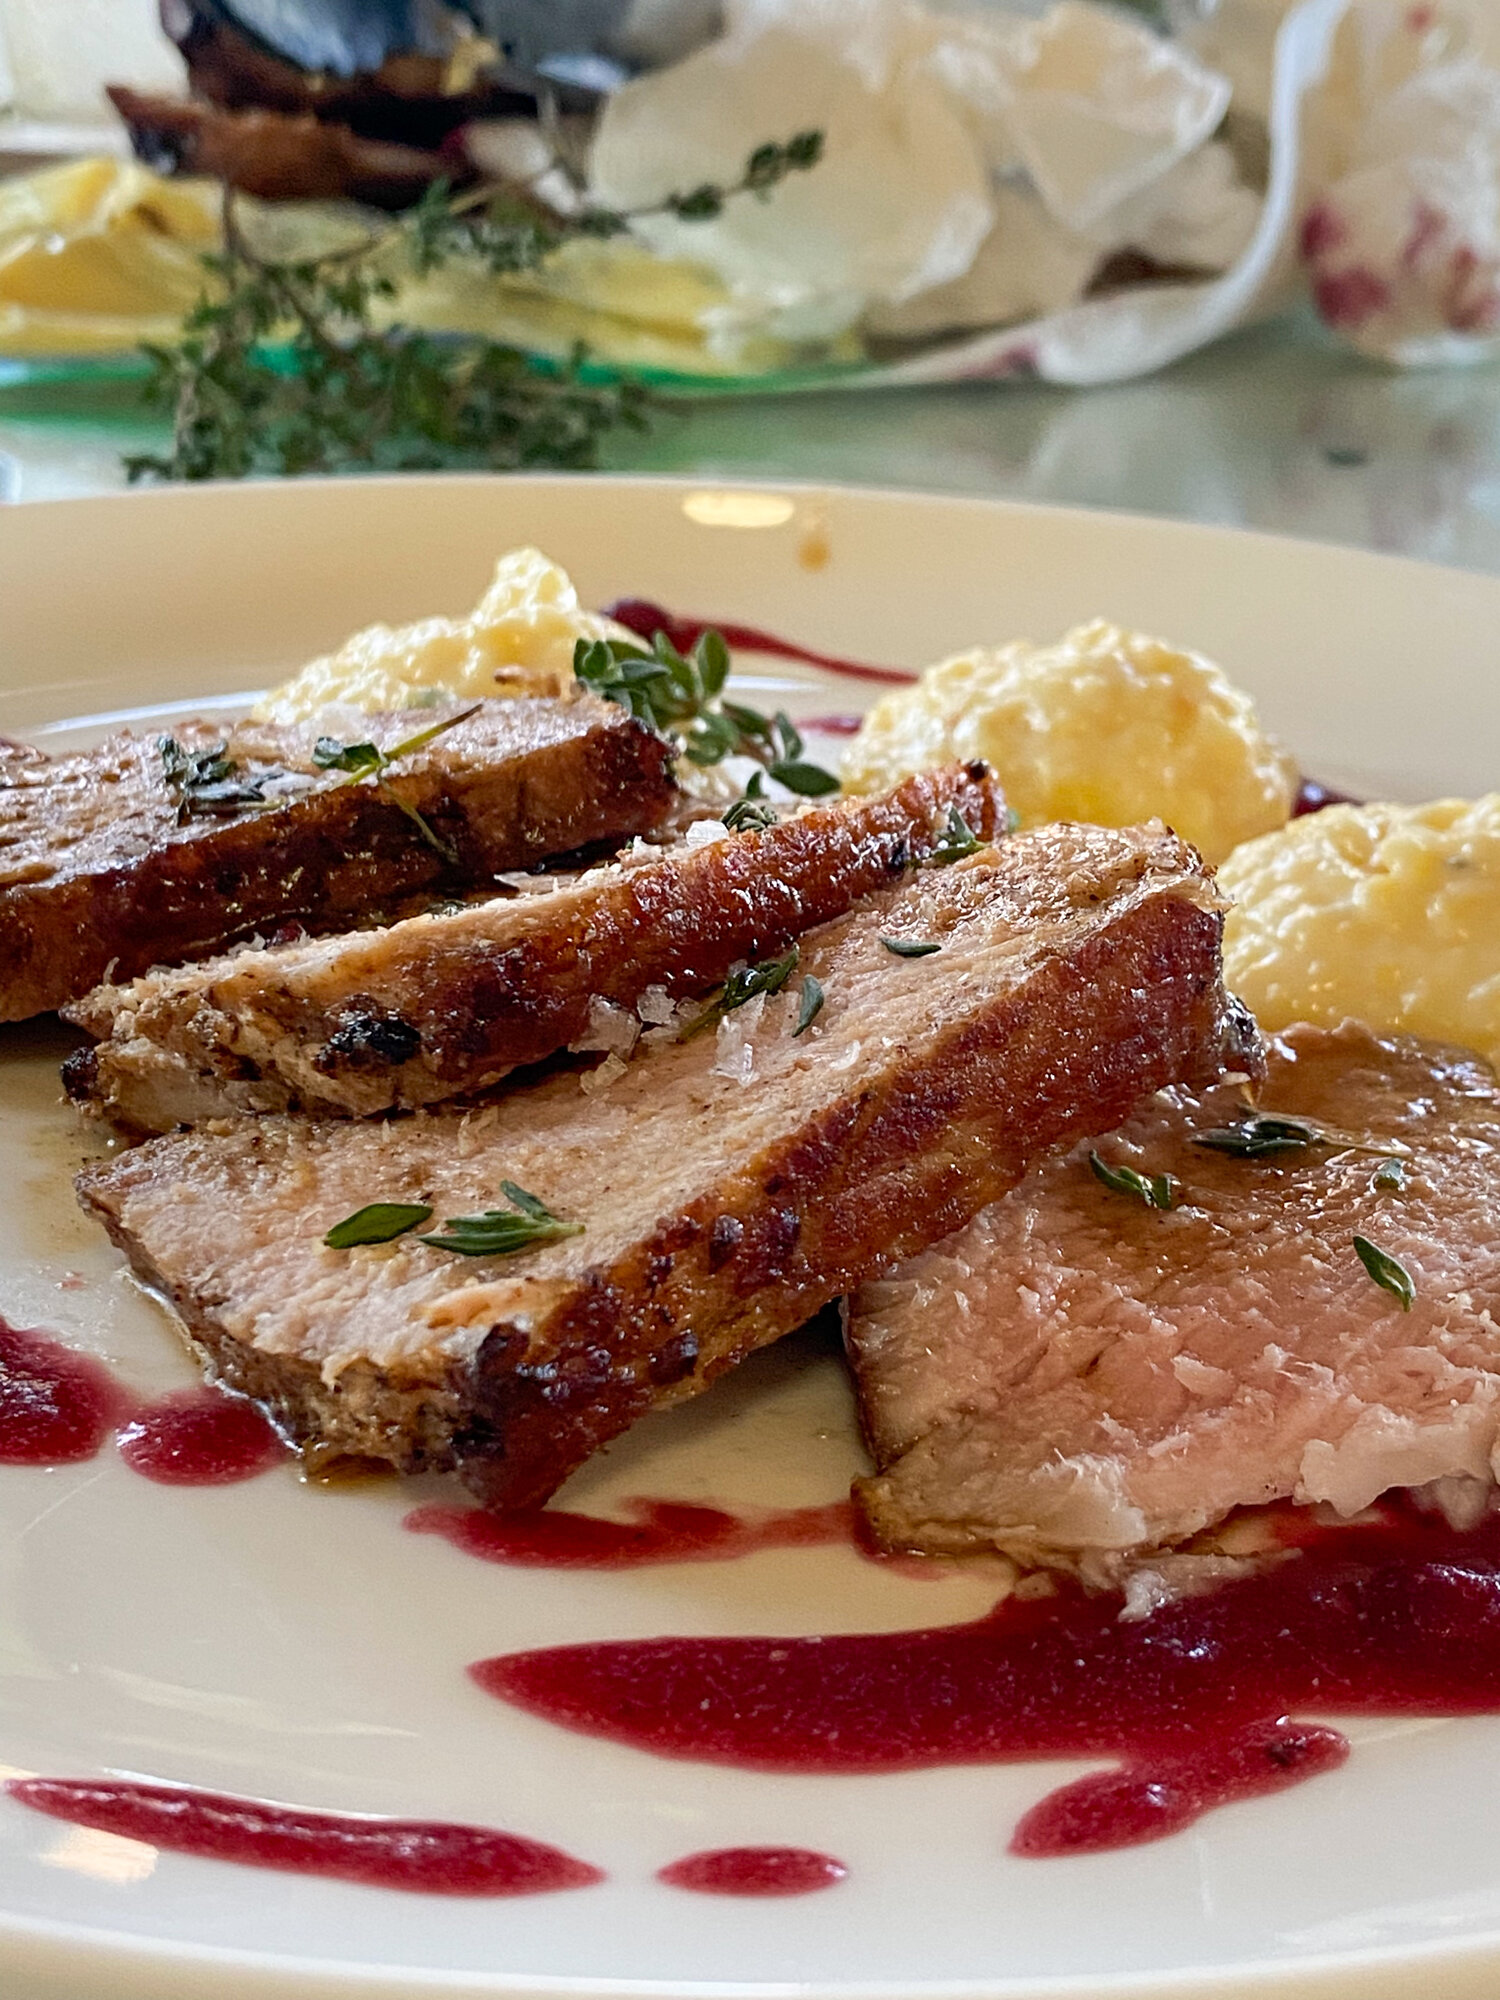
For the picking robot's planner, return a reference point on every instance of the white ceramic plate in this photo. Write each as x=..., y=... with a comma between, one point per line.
x=296, y=1645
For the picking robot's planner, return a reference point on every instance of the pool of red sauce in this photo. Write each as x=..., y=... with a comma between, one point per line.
x=645, y=619
x=1203, y=1703
x=754, y=1871
x=663, y=1531
x=59, y=1407
x=199, y=1437
x=56, y=1407
x=432, y=1857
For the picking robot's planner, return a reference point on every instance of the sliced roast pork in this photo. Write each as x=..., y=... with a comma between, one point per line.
x=443, y=1005
x=1078, y=1378
x=725, y=1186
x=151, y=849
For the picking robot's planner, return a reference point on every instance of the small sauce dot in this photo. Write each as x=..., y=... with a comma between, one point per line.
x=754, y=1871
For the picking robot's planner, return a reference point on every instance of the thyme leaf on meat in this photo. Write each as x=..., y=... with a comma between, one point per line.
x=739, y=988
x=750, y=813
x=501, y=1232
x=956, y=840
x=1389, y=1177
x=810, y=1006
x=207, y=783
x=377, y=1222
x=1155, y=1190
x=680, y=696
x=909, y=947
x=298, y=365
x=1259, y=1138
x=368, y=760
x=1388, y=1272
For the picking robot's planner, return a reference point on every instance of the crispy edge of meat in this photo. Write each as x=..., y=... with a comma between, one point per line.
x=459, y=1001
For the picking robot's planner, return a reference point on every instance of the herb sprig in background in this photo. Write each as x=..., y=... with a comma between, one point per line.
x=282, y=368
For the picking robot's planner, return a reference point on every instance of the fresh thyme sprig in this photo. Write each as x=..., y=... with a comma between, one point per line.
x=1387, y=1271
x=810, y=1006
x=910, y=947
x=1264, y=1137
x=1155, y=1190
x=740, y=988
x=281, y=366
x=750, y=813
x=368, y=760
x=681, y=696
x=209, y=784
x=377, y=1222
x=957, y=840
x=501, y=1232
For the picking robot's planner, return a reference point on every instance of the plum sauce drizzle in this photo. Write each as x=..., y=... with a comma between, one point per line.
x=431, y=1857
x=1192, y=1704
x=58, y=1407
x=664, y=1531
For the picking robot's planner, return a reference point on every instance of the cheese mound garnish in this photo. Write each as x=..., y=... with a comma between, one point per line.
x=1384, y=913
x=1107, y=726
x=519, y=639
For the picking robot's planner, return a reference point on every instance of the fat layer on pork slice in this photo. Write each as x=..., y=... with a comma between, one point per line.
x=440, y=1006
x=1079, y=1380
x=110, y=863
x=728, y=1184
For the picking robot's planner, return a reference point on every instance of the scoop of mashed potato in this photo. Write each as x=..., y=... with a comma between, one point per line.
x=1106, y=725
x=1389, y=914
x=519, y=639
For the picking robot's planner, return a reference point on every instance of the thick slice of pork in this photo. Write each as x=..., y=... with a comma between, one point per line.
x=440, y=1006
x=728, y=1184
x=110, y=865
x=1079, y=1380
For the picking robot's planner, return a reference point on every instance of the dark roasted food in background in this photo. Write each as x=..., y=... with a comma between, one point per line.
x=1079, y=1379
x=723, y=1188
x=369, y=98
x=153, y=850
x=441, y=1005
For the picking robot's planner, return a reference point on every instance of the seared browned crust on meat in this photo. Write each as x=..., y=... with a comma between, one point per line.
x=728, y=1186
x=1078, y=1380
x=440, y=1006
x=102, y=874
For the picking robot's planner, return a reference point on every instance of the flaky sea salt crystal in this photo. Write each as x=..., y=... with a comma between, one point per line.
x=593, y=1081
x=735, y=1051
x=610, y=1027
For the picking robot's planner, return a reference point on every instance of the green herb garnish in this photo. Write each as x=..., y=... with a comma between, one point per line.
x=1388, y=1272
x=909, y=947
x=283, y=367
x=1389, y=1177
x=740, y=987
x=209, y=784
x=750, y=814
x=956, y=840
x=1155, y=1190
x=368, y=760
x=377, y=1222
x=1259, y=1138
x=501, y=1232
x=810, y=1005
x=680, y=696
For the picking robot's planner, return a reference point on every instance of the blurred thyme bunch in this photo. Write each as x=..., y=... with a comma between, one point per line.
x=283, y=369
